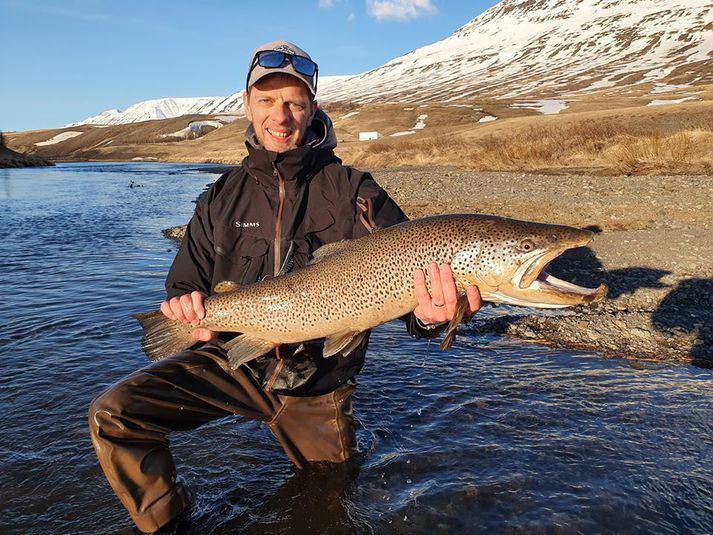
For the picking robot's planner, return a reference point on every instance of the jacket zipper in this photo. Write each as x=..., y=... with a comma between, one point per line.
x=277, y=266
x=281, y=193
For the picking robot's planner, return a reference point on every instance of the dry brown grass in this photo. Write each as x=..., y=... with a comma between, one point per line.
x=653, y=143
x=687, y=150
x=607, y=137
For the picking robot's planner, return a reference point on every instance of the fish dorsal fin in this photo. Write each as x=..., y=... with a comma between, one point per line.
x=343, y=343
x=329, y=249
x=244, y=348
x=225, y=286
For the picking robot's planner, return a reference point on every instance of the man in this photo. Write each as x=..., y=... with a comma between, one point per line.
x=290, y=196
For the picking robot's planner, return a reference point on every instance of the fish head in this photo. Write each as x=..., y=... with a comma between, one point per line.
x=507, y=260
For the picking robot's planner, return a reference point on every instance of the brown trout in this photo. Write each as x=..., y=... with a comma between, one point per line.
x=354, y=285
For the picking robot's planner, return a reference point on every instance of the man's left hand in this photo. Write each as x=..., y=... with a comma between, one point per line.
x=439, y=305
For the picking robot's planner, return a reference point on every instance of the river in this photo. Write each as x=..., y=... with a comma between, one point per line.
x=492, y=436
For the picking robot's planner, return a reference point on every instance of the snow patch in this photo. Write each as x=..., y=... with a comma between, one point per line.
x=194, y=127
x=227, y=119
x=676, y=101
x=59, y=138
x=420, y=122
x=667, y=88
x=599, y=84
x=545, y=107
x=487, y=119
x=406, y=133
x=350, y=114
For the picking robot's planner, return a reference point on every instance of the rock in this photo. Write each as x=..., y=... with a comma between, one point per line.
x=10, y=158
x=175, y=233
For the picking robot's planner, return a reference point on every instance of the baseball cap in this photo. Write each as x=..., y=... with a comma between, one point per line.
x=285, y=57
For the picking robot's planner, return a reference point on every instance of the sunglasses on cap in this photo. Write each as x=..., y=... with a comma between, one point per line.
x=273, y=59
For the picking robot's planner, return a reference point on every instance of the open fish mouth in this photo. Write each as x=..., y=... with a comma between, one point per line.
x=551, y=284
x=548, y=290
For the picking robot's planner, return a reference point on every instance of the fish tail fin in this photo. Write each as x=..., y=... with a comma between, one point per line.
x=163, y=337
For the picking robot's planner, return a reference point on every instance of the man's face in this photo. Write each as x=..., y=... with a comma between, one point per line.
x=280, y=110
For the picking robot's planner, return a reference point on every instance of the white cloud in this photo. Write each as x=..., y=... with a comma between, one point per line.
x=326, y=4
x=401, y=10
x=351, y=17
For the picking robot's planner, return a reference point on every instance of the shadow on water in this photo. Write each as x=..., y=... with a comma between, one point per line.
x=314, y=500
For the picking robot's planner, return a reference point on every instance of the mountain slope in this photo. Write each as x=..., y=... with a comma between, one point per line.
x=166, y=108
x=529, y=48
x=518, y=49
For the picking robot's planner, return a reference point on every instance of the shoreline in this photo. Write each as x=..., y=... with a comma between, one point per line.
x=653, y=248
x=10, y=159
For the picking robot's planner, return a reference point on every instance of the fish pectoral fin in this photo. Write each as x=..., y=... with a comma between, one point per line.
x=460, y=313
x=244, y=348
x=343, y=343
x=226, y=286
x=328, y=250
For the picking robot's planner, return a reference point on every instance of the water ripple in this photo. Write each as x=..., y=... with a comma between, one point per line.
x=492, y=436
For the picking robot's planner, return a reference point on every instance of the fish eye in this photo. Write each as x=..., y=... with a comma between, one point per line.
x=526, y=245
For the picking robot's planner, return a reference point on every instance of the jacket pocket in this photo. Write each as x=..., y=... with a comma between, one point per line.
x=240, y=257
x=317, y=230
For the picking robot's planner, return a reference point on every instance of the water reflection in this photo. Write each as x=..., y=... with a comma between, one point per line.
x=5, y=183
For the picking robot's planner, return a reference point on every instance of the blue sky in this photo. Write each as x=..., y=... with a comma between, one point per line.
x=63, y=61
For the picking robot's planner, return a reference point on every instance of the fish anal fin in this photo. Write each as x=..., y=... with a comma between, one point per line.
x=461, y=313
x=329, y=249
x=344, y=342
x=225, y=286
x=244, y=348
x=356, y=341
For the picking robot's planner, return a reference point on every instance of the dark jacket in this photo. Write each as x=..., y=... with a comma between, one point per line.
x=269, y=215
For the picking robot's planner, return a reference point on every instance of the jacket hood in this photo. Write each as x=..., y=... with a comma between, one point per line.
x=320, y=133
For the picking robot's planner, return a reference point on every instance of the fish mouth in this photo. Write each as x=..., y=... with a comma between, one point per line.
x=547, y=291
x=567, y=290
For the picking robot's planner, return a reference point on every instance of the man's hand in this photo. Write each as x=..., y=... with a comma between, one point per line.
x=439, y=305
x=188, y=308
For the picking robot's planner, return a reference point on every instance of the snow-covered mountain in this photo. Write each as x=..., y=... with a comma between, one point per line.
x=521, y=49
x=164, y=108
x=526, y=48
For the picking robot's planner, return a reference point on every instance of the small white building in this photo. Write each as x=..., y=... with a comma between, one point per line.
x=368, y=136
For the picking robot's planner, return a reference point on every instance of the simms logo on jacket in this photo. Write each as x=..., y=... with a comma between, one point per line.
x=246, y=224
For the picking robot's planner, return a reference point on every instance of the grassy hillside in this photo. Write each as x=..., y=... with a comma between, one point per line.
x=607, y=135
x=11, y=158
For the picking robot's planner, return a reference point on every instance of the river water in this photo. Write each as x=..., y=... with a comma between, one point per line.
x=492, y=436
